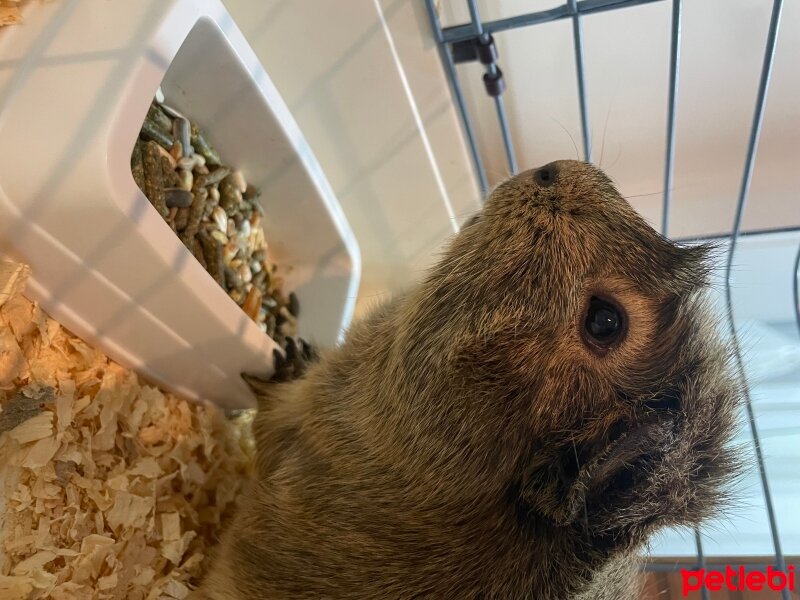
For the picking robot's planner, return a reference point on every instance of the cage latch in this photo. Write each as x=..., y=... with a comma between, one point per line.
x=494, y=83
x=482, y=49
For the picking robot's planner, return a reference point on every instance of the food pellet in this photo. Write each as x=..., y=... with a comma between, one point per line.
x=215, y=213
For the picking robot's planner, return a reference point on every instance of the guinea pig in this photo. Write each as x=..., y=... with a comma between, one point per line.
x=517, y=425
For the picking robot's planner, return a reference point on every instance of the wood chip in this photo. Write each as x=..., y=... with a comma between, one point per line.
x=12, y=361
x=22, y=407
x=13, y=276
x=36, y=428
x=41, y=453
x=109, y=487
x=10, y=15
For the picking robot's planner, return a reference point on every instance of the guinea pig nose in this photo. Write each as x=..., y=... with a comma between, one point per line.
x=546, y=175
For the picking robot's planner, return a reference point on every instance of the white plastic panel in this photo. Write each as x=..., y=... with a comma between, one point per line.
x=104, y=262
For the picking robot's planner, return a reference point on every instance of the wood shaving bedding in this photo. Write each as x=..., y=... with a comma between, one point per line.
x=10, y=13
x=109, y=488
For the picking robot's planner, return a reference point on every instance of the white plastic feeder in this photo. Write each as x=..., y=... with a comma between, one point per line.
x=76, y=80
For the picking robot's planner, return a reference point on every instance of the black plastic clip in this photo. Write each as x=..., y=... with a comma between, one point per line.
x=483, y=50
x=486, y=50
x=464, y=51
x=494, y=83
x=480, y=49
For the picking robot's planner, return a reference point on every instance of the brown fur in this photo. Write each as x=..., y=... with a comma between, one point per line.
x=464, y=442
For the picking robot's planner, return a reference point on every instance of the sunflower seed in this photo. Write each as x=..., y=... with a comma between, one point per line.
x=220, y=218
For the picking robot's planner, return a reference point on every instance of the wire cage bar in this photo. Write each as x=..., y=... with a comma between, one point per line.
x=577, y=40
x=493, y=72
x=674, y=60
x=449, y=39
x=796, y=289
x=747, y=175
x=460, y=33
x=448, y=63
x=701, y=561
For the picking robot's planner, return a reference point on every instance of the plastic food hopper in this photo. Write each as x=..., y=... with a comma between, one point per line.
x=76, y=80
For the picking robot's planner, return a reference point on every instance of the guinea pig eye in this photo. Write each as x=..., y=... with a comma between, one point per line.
x=604, y=324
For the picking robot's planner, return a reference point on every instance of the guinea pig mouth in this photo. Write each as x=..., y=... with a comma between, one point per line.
x=615, y=471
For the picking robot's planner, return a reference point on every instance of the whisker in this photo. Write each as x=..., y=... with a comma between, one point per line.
x=500, y=175
x=619, y=153
x=605, y=125
x=643, y=195
x=585, y=510
x=572, y=139
x=605, y=130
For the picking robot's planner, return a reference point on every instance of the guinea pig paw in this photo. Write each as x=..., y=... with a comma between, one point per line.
x=289, y=364
x=621, y=490
x=308, y=351
x=299, y=356
x=293, y=363
x=606, y=490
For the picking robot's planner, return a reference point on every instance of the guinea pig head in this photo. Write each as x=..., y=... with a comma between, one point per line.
x=577, y=366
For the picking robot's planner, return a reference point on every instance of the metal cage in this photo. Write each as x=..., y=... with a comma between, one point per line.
x=473, y=41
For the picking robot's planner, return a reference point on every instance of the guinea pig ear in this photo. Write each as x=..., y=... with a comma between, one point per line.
x=694, y=264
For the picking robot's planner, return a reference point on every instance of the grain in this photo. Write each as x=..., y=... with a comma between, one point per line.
x=216, y=214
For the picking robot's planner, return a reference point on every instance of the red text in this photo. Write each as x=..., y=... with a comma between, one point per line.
x=737, y=579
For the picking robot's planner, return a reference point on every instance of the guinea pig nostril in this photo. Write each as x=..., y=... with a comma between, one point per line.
x=545, y=176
